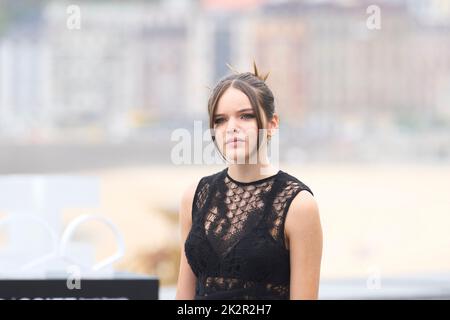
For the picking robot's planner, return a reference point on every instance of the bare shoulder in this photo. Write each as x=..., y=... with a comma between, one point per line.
x=305, y=242
x=189, y=192
x=303, y=214
x=187, y=199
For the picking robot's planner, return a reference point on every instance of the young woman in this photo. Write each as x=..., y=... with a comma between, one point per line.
x=250, y=231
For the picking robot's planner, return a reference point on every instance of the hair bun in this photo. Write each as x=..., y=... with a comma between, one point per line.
x=256, y=73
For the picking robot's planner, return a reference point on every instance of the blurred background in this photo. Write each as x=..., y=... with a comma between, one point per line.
x=96, y=88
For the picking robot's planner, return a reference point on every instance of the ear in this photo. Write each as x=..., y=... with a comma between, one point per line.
x=273, y=123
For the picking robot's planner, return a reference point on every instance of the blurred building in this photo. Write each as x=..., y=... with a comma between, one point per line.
x=24, y=79
x=325, y=62
x=135, y=66
x=125, y=68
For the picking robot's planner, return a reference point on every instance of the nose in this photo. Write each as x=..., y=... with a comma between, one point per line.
x=232, y=126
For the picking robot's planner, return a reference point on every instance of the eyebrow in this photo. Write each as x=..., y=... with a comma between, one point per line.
x=239, y=111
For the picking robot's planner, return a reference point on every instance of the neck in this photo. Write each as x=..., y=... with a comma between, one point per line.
x=251, y=172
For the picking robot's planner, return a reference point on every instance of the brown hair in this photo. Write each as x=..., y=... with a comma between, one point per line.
x=253, y=85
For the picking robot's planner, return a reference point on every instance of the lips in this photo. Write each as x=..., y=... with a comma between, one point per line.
x=234, y=140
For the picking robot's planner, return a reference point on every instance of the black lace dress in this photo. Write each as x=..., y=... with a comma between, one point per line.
x=236, y=246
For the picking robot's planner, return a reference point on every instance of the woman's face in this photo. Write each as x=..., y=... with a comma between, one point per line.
x=235, y=126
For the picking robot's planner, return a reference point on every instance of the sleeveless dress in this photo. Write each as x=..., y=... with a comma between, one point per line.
x=236, y=245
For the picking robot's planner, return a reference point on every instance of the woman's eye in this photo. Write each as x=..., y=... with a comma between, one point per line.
x=218, y=121
x=248, y=116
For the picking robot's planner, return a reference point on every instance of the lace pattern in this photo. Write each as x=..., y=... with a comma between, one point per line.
x=236, y=246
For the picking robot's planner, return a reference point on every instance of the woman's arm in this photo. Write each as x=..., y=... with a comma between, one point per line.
x=304, y=234
x=186, y=278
